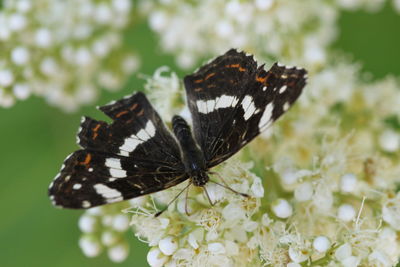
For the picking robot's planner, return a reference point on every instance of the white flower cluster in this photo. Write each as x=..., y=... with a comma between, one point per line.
x=65, y=49
x=104, y=228
x=220, y=235
x=331, y=198
x=294, y=32
x=164, y=91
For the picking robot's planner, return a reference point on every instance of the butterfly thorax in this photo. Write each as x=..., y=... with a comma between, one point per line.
x=192, y=156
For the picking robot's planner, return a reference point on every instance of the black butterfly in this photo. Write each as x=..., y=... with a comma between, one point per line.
x=231, y=101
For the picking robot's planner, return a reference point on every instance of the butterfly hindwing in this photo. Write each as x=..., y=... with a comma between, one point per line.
x=133, y=156
x=256, y=99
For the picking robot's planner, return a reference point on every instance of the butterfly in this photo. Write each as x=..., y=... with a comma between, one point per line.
x=231, y=100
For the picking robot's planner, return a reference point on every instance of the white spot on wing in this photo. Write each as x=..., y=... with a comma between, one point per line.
x=148, y=132
x=226, y=101
x=117, y=173
x=282, y=89
x=129, y=145
x=77, y=186
x=113, y=163
x=286, y=106
x=223, y=101
x=248, y=107
x=110, y=194
x=86, y=204
x=266, y=117
x=210, y=105
x=142, y=136
x=202, y=106
x=150, y=129
x=116, y=170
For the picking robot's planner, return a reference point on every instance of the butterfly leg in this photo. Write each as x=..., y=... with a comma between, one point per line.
x=186, y=201
x=208, y=196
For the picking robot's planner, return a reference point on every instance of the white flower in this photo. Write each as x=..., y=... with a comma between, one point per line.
x=155, y=258
x=6, y=78
x=379, y=258
x=87, y=223
x=43, y=37
x=216, y=248
x=109, y=238
x=20, y=55
x=282, y=208
x=346, y=212
x=391, y=212
x=348, y=183
x=121, y=223
x=343, y=252
x=297, y=255
x=303, y=192
x=90, y=247
x=321, y=244
x=118, y=253
x=389, y=141
x=21, y=91
x=168, y=245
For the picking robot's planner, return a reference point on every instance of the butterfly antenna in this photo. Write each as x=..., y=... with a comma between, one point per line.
x=164, y=209
x=225, y=185
x=208, y=196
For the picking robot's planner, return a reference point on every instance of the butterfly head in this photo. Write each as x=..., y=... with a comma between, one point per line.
x=199, y=178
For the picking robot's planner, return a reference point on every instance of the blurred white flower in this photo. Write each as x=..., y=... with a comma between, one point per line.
x=62, y=47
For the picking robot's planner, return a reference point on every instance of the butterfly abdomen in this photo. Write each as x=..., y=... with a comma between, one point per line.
x=192, y=156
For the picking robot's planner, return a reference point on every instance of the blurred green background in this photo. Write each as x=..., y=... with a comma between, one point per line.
x=35, y=139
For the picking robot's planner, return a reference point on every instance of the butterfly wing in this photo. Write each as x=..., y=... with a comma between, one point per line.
x=133, y=156
x=232, y=100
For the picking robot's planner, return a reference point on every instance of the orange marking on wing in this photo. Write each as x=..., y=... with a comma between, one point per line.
x=198, y=89
x=87, y=159
x=133, y=106
x=198, y=81
x=95, y=129
x=261, y=79
x=141, y=112
x=236, y=66
x=209, y=76
x=211, y=85
x=121, y=113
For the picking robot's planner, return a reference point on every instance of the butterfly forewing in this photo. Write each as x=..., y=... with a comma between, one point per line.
x=227, y=115
x=133, y=156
